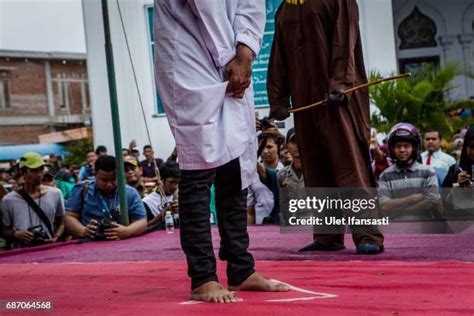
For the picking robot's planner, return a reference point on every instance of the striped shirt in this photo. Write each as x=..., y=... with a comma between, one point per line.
x=396, y=182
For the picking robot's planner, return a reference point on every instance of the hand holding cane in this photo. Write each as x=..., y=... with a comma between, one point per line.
x=365, y=85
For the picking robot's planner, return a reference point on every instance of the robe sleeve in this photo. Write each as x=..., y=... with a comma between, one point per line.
x=249, y=24
x=278, y=83
x=345, y=34
x=216, y=30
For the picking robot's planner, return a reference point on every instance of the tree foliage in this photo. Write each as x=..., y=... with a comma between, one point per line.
x=77, y=151
x=423, y=100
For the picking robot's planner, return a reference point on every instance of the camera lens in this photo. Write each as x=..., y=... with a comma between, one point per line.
x=106, y=222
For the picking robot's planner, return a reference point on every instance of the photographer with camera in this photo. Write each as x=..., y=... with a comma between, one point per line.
x=93, y=208
x=461, y=173
x=458, y=184
x=34, y=214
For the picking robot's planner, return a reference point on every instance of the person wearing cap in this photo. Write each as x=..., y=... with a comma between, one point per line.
x=19, y=217
x=290, y=179
x=133, y=176
x=408, y=190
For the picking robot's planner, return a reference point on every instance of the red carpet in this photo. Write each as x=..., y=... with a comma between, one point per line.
x=158, y=288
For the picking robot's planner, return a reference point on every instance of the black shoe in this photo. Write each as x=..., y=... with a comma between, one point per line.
x=315, y=246
x=369, y=249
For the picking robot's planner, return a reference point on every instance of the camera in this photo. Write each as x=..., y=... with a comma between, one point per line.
x=102, y=225
x=40, y=237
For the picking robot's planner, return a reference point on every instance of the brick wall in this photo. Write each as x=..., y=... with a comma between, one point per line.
x=72, y=70
x=21, y=134
x=27, y=95
x=11, y=135
x=28, y=86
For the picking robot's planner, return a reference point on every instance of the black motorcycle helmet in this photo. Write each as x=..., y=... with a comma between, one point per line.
x=404, y=132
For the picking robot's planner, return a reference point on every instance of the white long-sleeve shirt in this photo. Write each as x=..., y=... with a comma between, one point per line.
x=439, y=162
x=194, y=41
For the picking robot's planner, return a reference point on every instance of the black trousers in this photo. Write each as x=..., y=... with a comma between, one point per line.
x=195, y=227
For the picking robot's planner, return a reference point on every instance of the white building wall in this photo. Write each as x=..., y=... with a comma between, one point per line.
x=454, y=20
x=131, y=117
x=377, y=36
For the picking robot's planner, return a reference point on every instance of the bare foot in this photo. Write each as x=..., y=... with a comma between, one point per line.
x=257, y=282
x=213, y=292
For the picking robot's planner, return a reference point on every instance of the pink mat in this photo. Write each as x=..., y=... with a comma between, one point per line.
x=161, y=288
x=266, y=243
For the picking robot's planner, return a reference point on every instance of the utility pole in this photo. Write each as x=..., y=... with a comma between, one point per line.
x=115, y=114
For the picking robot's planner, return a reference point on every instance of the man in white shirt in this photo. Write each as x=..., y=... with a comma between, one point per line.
x=204, y=52
x=434, y=157
x=160, y=201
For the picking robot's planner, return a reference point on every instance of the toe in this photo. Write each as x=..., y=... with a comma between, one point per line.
x=234, y=298
x=282, y=288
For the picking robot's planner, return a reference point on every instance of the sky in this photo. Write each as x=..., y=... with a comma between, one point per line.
x=42, y=25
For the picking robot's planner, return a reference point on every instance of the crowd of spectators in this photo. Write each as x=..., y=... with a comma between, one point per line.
x=44, y=200
x=410, y=181
x=50, y=201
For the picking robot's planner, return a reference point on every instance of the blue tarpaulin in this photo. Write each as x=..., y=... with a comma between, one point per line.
x=16, y=151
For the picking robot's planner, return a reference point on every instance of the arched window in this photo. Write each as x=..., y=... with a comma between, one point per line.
x=417, y=31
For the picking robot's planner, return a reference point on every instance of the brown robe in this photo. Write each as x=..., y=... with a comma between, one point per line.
x=317, y=49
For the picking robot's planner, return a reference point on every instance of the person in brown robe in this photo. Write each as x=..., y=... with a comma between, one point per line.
x=316, y=53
